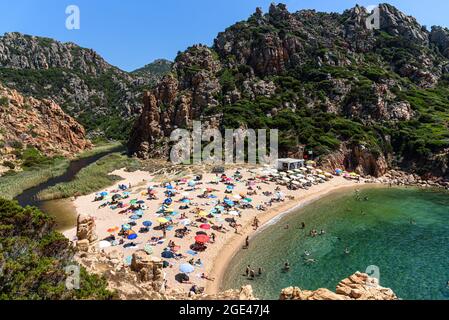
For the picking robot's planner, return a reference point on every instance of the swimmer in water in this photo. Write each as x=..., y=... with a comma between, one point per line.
x=311, y=260
x=286, y=266
x=347, y=251
x=306, y=253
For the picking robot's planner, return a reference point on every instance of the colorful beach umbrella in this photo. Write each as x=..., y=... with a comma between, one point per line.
x=186, y=268
x=135, y=217
x=202, y=238
x=162, y=220
x=185, y=222
x=147, y=223
x=104, y=244
x=112, y=230
x=205, y=226
x=132, y=236
x=148, y=248
x=202, y=213
x=126, y=227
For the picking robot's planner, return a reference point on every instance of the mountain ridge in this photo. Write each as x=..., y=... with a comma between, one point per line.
x=102, y=97
x=365, y=99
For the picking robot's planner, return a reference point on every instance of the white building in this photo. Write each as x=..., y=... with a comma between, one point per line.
x=290, y=164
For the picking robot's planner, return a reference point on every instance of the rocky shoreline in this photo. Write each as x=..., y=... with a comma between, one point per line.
x=401, y=178
x=144, y=281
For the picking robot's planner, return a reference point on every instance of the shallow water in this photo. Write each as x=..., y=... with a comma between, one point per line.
x=404, y=232
x=62, y=210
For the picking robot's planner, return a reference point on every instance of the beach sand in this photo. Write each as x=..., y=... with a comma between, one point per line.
x=218, y=254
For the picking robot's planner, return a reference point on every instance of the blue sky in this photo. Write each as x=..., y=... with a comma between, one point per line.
x=130, y=34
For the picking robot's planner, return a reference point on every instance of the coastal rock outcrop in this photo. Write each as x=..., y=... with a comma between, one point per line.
x=39, y=123
x=85, y=232
x=356, y=158
x=148, y=268
x=359, y=286
x=126, y=282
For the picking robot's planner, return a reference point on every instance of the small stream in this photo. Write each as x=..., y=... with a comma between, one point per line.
x=61, y=210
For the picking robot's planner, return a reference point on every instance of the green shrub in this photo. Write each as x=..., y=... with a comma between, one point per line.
x=4, y=101
x=33, y=258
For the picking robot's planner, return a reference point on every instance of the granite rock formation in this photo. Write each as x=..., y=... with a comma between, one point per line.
x=359, y=286
x=326, y=80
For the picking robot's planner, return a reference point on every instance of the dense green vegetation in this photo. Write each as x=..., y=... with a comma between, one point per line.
x=33, y=258
x=51, y=82
x=316, y=128
x=14, y=183
x=91, y=178
x=37, y=169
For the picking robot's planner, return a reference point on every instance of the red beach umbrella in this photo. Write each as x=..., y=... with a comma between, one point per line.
x=205, y=226
x=202, y=238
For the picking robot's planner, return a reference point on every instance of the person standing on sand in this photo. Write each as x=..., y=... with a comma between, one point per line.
x=247, y=242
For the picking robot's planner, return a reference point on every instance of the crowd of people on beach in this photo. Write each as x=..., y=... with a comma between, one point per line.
x=197, y=211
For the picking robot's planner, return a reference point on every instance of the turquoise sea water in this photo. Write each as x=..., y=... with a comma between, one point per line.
x=404, y=232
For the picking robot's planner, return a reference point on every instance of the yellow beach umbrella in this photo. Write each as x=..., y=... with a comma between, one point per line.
x=202, y=213
x=162, y=220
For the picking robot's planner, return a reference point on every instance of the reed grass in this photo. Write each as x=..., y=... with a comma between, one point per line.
x=13, y=184
x=92, y=178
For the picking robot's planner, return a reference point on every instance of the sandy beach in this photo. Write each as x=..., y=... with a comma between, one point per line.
x=219, y=252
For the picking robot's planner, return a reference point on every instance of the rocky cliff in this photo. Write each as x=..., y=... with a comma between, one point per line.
x=38, y=123
x=377, y=97
x=102, y=97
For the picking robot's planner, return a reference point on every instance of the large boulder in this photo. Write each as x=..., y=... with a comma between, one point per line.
x=359, y=286
x=147, y=267
x=85, y=229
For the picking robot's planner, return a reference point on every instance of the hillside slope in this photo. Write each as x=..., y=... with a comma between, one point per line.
x=102, y=97
x=36, y=125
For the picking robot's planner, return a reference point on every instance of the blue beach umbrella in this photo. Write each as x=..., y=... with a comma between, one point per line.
x=126, y=227
x=191, y=183
x=135, y=217
x=139, y=212
x=147, y=223
x=132, y=236
x=140, y=202
x=103, y=194
x=186, y=268
x=169, y=187
x=185, y=201
x=230, y=187
x=168, y=201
